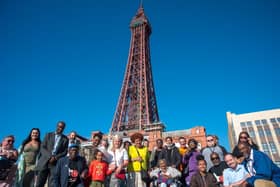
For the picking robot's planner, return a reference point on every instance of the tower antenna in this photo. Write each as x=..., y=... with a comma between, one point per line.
x=141, y=3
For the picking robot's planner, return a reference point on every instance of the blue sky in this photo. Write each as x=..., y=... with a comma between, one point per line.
x=65, y=60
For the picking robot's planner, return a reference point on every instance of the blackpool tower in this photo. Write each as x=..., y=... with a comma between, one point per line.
x=137, y=110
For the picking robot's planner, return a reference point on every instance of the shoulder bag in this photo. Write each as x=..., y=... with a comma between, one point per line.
x=121, y=174
x=144, y=173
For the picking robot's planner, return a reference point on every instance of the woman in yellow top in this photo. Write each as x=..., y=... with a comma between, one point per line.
x=138, y=160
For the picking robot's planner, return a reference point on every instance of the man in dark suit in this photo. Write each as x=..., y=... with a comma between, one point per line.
x=53, y=147
x=71, y=170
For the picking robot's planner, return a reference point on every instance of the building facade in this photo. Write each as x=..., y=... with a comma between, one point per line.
x=263, y=127
x=198, y=133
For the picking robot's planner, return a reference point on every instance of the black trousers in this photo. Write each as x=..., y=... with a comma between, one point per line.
x=44, y=175
x=28, y=179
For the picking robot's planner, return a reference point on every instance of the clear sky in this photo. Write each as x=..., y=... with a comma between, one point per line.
x=65, y=60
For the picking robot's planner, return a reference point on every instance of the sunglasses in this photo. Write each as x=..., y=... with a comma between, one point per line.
x=243, y=137
x=215, y=158
x=210, y=140
x=10, y=141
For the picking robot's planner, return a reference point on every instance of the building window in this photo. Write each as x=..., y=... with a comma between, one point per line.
x=243, y=124
x=267, y=132
x=264, y=121
x=273, y=147
x=249, y=124
x=257, y=122
x=261, y=132
x=265, y=148
x=277, y=163
x=252, y=134
x=273, y=120
x=277, y=131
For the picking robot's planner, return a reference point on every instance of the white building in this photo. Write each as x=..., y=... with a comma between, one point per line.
x=263, y=127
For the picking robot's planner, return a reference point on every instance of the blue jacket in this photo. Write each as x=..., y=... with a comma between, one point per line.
x=62, y=171
x=264, y=167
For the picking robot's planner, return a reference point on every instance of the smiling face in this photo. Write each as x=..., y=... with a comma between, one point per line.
x=99, y=156
x=215, y=159
x=60, y=127
x=168, y=141
x=73, y=152
x=34, y=134
x=96, y=141
x=138, y=142
x=201, y=164
x=182, y=142
x=162, y=165
x=243, y=137
x=72, y=135
x=8, y=142
x=192, y=144
x=245, y=149
x=117, y=142
x=210, y=141
x=231, y=161
x=126, y=145
x=146, y=143
x=159, y=143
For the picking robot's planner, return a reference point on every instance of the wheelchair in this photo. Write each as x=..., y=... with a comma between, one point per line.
x=175, y=182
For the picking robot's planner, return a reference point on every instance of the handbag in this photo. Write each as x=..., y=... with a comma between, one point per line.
x=144, y=174
x=120, y=175
x=186, y=171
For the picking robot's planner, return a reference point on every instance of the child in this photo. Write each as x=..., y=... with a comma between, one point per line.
x=203, y=178
x=98, y=170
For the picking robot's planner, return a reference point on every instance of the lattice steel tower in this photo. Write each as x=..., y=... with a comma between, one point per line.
x=137, y=107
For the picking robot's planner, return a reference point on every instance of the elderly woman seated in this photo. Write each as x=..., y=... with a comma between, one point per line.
x=165, y=176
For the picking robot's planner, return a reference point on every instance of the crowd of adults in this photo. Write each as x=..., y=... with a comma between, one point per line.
x=57, y=161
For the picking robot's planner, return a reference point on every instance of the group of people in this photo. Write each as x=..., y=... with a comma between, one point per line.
x=58, y=161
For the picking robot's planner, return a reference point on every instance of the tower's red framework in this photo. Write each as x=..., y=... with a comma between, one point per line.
x=137, y=106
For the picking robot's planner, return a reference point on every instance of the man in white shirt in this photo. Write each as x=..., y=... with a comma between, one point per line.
x=236, y=174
